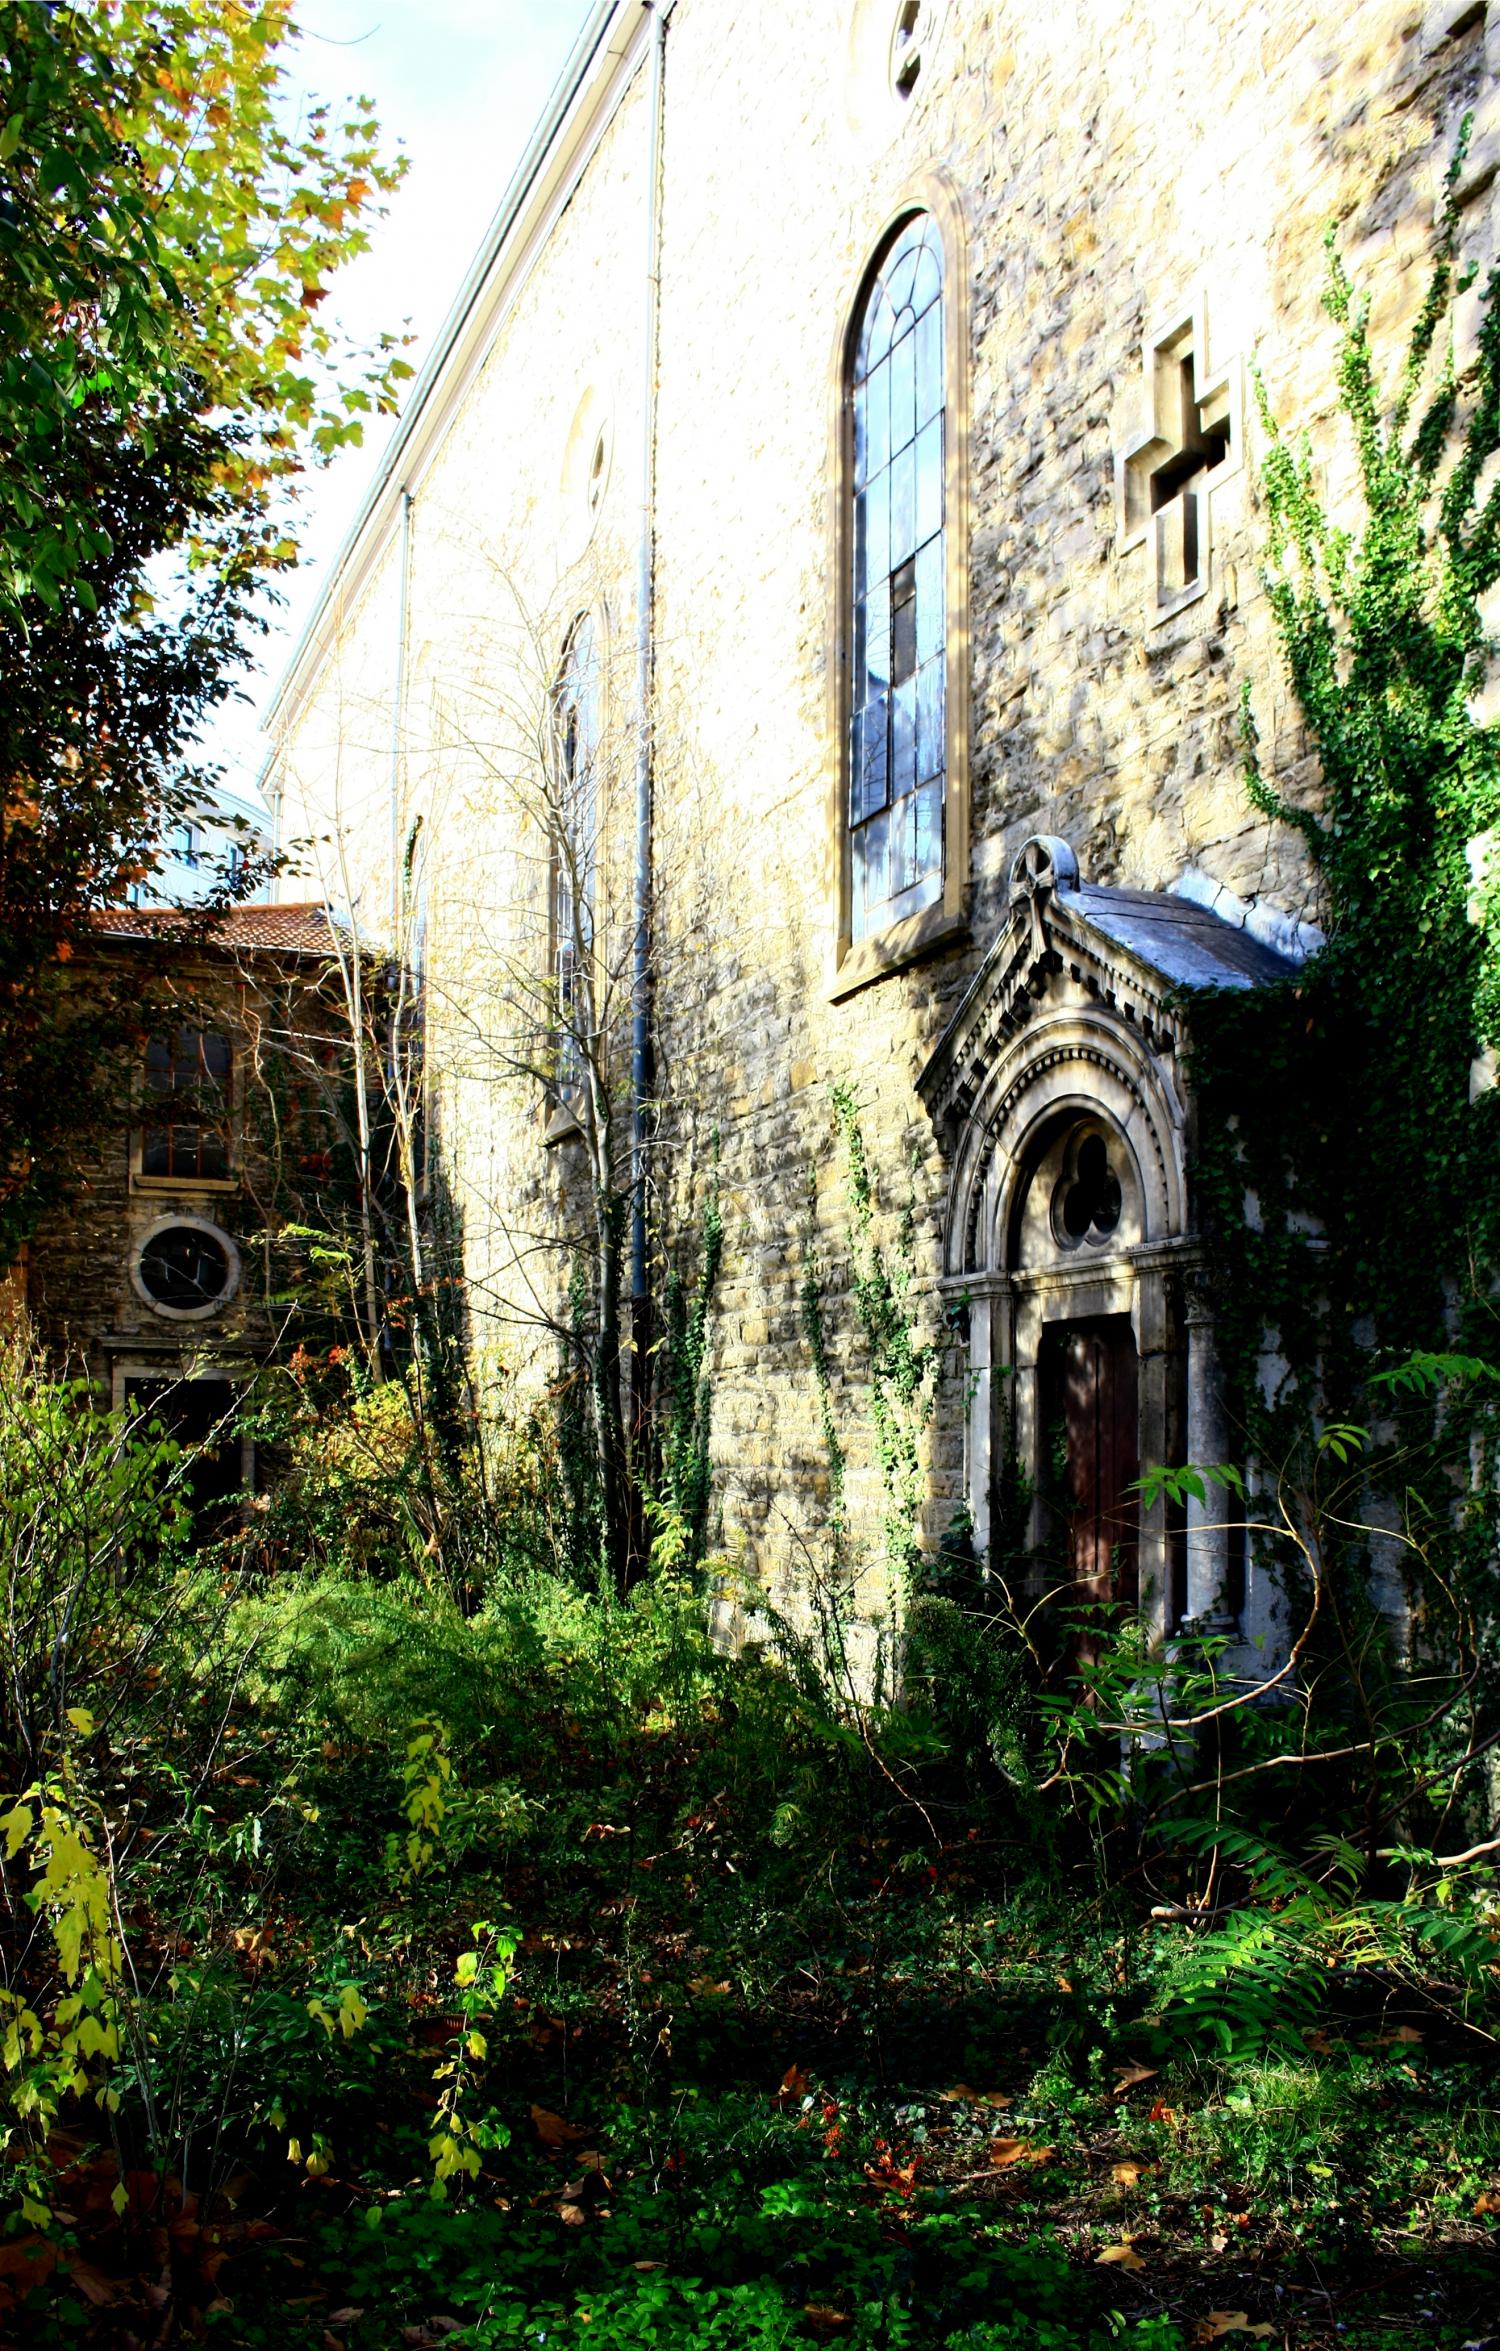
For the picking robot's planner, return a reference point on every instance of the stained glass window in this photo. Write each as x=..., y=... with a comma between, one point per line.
x=187, y=1079
x=897, y=762
x=574, y=844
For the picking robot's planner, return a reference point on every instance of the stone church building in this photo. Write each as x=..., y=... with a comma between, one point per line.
x=796, y=636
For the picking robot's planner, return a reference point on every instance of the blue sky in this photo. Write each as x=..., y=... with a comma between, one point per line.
x=459, y=85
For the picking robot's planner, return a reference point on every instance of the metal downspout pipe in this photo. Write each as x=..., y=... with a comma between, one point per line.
x=641, y=1074
x=398, y=715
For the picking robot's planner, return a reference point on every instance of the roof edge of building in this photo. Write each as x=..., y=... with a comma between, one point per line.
x=564, y=126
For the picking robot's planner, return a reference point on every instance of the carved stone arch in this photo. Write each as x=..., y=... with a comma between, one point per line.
x=1089, y=1061
x=1068, y=1235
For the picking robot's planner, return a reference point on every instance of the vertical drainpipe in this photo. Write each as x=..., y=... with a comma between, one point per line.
x=640, y=1001
x=398, y=715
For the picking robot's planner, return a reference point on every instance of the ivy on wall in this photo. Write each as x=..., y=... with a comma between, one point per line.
x=1348, y=1171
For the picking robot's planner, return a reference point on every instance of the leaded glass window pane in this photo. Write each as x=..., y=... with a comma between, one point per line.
x=876, y=675
x=928, y=337
x=903, y=503
x=929, y=568
x=188, y=1076
x=929, y=481
x=903, y=738
x=930, y=721
x=897, y=743
x=903, y=366
x=875, y=409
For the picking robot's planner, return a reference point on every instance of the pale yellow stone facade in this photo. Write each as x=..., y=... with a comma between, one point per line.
x=1109, y=172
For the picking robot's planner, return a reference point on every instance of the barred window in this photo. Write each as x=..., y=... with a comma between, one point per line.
x=897, y=758
x=575, y=718
x=186, y=1135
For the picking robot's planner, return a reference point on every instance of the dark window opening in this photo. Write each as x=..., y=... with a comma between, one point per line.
x=906, y=53
x=187, y=1085
x=185, y=1268
x=198, y=1415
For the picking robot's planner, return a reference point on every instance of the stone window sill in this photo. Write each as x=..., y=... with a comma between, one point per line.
x=563, y=1122
x=171, y=1185
x=905, y=942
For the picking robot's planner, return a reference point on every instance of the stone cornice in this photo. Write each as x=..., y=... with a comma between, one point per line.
x=1059, y=928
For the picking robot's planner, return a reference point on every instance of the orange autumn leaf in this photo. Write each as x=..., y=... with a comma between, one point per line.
x=552, y=2130
x=1126, y=2174
x=1219, y=2323
x=1005, y=2152
x=1124, y=2256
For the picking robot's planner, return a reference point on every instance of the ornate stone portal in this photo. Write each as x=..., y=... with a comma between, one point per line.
x=1069, y=1242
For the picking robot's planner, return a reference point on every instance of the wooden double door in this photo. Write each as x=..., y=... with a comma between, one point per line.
x=1090, y=1414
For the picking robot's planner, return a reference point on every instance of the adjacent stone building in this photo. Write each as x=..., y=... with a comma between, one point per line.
x=806, y=605
x=158, y=1277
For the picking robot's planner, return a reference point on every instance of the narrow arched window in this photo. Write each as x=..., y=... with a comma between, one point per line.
x=574, y=825
x=897, y=719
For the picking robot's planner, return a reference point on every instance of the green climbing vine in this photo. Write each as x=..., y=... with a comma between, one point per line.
x=686, y=1417
x=1348, y=1176
x=902, y=1367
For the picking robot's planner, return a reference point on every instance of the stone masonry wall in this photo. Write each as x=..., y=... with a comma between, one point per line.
x=1107, y=162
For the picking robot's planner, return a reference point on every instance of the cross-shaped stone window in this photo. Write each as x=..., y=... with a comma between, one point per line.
x=1166, y=474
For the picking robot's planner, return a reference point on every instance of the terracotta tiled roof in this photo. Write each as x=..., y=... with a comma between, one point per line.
x=302, y=929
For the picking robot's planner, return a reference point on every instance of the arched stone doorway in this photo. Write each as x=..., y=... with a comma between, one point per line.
x=1069, y=1250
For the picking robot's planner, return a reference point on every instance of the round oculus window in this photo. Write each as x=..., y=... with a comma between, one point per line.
x=186, y=1268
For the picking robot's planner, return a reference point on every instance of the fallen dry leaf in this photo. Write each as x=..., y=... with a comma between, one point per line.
x=962, y=2095
x=1218, y=2242
x=92, y=2283
x=823, y=2314
x=25, y=2262
x=1126, y=2174
x=1489, y=2201
x=572, y=2215
x=1127, y=2076
x=794, y=2087
x=1004, y=2152
x=552, y=2130
x=1124, y=2256
x=346, y=2318
x=1229, y=2322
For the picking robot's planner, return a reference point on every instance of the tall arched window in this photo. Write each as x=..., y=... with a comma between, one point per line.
x=897, y=719
x=574, y=843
